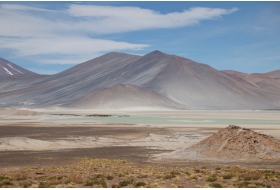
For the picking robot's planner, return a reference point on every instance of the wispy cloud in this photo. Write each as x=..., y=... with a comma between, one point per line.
x=64, y=45
x=23, y=8
x=111, y=19
x=32, y=31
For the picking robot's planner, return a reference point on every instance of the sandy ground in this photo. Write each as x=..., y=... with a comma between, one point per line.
x=27, y=138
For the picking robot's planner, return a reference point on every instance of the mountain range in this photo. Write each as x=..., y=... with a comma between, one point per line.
x=155, y=81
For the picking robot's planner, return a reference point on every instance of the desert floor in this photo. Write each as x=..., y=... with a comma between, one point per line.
x=46, y=138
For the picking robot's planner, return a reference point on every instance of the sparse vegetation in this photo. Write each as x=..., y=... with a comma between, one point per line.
x=250, y=175
x=118, y=173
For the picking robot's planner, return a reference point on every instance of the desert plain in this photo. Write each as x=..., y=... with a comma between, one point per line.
x=151, y=144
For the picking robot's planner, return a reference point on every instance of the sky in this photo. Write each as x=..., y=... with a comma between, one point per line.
x=50, y=37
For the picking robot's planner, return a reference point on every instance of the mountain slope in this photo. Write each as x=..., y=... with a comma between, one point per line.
x=267, y=82
x=63, y=87
x=199, y=86
x=8, y=68
x=124, y=97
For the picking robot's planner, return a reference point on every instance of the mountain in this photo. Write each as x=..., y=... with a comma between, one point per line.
x=180, y=80
x=266, y=82
x=124, y=97
x=236, y=143
x=8, y=68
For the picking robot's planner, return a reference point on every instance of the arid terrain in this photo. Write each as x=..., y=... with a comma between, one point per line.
x=58, y=148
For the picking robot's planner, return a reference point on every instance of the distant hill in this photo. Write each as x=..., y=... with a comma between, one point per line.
x=173, y=78
x=123, y=96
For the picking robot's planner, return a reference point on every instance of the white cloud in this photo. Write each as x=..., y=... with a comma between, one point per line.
x=122, y=19
x=32, y=31
x=64, y=45
x=23, y=8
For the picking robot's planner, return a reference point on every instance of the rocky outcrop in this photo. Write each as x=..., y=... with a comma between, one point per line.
x=236, y=143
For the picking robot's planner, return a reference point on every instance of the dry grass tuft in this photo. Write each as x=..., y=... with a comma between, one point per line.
x=20, y=176
x=76, y=178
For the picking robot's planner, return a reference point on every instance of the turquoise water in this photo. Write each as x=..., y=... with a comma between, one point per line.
x=163, y=120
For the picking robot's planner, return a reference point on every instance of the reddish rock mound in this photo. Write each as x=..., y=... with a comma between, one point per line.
x=236, y=143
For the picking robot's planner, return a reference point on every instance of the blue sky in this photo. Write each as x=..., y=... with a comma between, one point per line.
x=49, y=37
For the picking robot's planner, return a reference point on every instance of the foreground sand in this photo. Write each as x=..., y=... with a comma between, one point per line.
x=41, y=139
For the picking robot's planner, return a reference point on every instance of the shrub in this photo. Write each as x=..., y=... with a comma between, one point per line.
x=174, y=173
x=5, y=182
x=215, y=185
x=76, y=178
x=54, y=182
x=3, y=177
x=197, y=170
x=227, y=176
x=140, y=184
x=142, y=176
x=44, y=185
x=251, y=175
x=243, y=185
x=114, y=186
x=20, y=176
x=125, y=183
x=109, y=177
x=187, y=173
x=211, y=178
x=26, y=184
x=194, y=177
x=169, y=176
x=92, y=182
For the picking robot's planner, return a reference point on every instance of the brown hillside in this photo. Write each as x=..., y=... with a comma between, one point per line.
x=236, y=143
